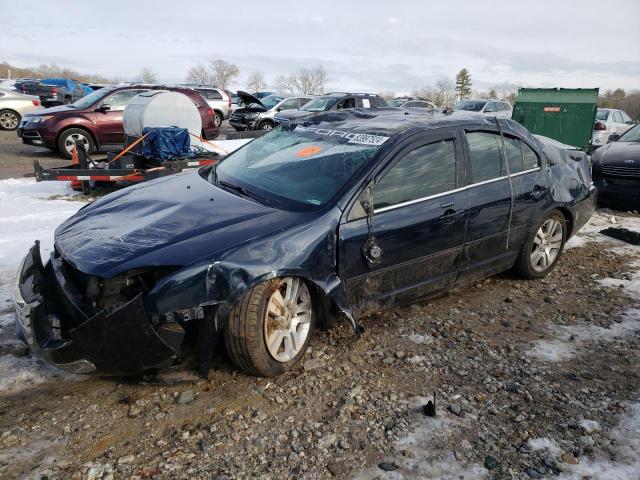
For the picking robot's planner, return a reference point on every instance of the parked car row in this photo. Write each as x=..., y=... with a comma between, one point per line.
x=53, y=91
x=609, y=121
x=96, y=119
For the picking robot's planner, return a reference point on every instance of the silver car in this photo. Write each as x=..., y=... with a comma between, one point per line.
x=13, y=106
x=218, y=99
x=490, y=108
x=609, y=121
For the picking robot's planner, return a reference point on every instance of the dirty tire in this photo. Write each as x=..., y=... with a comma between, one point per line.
x=244, y=334
x=66, y=140
x=524, y=265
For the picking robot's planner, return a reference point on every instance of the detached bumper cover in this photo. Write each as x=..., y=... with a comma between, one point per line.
x=51, y=320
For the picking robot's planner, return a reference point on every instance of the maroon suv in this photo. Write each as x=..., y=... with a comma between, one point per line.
x=96, y=120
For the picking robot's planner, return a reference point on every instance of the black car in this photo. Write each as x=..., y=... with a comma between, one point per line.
x=346, y=214
x=616, y=169
x=332, y=102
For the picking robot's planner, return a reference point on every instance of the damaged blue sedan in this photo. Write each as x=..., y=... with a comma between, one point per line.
x=341, y=215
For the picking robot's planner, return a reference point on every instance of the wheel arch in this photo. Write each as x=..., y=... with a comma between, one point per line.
x=568, y=216
x=79, y=127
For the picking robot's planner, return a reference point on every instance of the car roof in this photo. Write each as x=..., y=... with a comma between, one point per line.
x=393, y=121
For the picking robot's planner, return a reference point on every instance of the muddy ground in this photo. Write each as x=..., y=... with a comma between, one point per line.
x=533, y=379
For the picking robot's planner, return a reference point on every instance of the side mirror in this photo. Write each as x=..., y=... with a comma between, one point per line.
x=279, y=109
x=104, y=108
x=613, y=137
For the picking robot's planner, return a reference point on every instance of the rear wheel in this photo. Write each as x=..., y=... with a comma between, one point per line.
x=9, y=120
x=70, y=137
x=270, y=327
x=217, y=119
x=543, y=247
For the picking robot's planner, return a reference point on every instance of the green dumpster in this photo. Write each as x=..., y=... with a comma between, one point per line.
x=564, y=114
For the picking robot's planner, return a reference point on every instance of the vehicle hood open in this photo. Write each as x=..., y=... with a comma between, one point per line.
x=248, y=99
x=173, y=221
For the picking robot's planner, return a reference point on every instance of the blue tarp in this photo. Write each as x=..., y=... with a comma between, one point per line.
x=166, y=143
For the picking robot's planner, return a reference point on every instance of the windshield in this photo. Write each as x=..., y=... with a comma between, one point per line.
x=90, y=99
x=602, y=114
x=631, y=135
x=469, y=105
x=270, y=101
x=320, y=104
x=299, y=169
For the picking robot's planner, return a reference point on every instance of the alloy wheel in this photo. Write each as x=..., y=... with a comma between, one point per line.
x=74, y=138
x=546, y=244
x=9, y=120
x=267, y=126
x=288, y=319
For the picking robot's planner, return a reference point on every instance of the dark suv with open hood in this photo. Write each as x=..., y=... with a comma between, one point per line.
x=257, y=113
x=333, y=102
x=96, y=120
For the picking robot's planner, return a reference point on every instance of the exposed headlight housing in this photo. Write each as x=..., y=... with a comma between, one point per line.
x=40, y=119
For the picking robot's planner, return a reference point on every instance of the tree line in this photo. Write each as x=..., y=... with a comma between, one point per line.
x=314, y=81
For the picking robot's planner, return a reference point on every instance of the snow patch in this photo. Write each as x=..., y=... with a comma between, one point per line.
x=423, y=453
x=599, y=221
x=420, y=339
x=544, y=443
x=625, y=449
x=589, y=425
x=20, y=373
x=569, y=340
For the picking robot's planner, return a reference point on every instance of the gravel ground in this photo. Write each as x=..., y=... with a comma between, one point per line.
x=533, y=379
x=16, y=158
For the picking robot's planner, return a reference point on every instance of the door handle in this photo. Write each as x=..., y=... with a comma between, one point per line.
x=539, y=190
x=450, y=216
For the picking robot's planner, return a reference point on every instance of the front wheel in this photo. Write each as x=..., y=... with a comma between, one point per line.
x=543, y=247
x=270, y=327
x=70, y=137
x=9, y=120
x=265, y=126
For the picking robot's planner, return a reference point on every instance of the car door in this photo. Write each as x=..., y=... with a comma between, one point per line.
x=619, y=124
x=110, y=130
x=419, y=225
x=486, y=247
x=531, y=193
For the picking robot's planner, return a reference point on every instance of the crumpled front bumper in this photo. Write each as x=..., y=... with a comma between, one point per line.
x=51, y=319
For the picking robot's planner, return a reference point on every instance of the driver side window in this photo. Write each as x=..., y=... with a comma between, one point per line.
x=423, y=172
x=119, y=100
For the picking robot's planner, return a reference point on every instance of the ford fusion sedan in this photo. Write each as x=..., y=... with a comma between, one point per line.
x=616, y=169
x=343, y=215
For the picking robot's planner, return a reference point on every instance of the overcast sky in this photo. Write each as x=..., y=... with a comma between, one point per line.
x=364, y=45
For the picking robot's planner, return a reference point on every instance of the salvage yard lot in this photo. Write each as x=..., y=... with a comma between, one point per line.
x=533, y=379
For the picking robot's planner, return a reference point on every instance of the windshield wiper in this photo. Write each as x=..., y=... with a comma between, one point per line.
x=245, y=192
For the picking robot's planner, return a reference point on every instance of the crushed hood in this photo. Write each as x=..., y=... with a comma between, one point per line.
x=173, y=221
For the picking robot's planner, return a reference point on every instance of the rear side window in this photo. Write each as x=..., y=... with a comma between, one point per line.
x=513, y=152
x=289, y=104
x=486, y=161
x=425, y=171
x=210, y=94
x=531, y=159
x=617, y=117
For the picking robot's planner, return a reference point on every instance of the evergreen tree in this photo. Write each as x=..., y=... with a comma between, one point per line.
x=463, y=84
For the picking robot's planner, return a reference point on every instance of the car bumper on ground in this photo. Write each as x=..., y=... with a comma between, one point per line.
x=52, y=321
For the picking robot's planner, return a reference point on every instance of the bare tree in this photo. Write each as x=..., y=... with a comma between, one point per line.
x=506, y=91
x=445, y=93
x=256, y=83
x=387, y=95
x=200, y=74
x=147, y=76
x=223, y=73
x=305, y=81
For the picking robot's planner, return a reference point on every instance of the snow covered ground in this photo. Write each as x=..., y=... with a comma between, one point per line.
x=31, y=211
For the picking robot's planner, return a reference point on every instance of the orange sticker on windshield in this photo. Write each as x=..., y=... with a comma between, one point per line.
x=308, y=151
